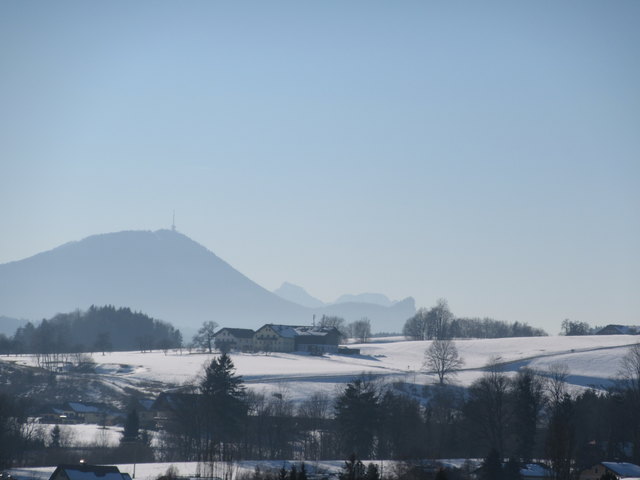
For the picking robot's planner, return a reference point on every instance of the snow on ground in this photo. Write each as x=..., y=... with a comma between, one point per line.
x=87, y=435
x=151, y=471
x=591, y=360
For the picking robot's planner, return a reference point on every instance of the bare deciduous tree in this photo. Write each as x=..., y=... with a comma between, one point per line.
x=629, y=371
x=443, y=359
x=361, y=330
x=204, y=337
x=557, y=382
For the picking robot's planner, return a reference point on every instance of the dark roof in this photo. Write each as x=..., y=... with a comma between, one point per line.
x=237, y=332
x=612, y=329
x=84, y=471
x=82, y=408
x=293, y=331
x=175, y=401
x=623, y=469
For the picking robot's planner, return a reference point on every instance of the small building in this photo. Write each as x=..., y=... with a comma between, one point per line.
x=619, y=469
x=240, y=339
x=171, y=407
x=87, y=413
x=619, y=330
x=145, y=412
x=84, y=471
x=54, y=414
x=317, y=340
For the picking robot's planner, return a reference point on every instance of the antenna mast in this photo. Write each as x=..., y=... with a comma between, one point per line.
x=173, y=223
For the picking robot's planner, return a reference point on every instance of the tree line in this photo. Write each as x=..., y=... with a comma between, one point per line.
x=530, y=415
x=98, y=329
x=439, y=323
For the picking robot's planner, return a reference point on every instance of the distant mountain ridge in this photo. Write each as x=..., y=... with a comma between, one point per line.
x=163, y=274
x=374, y=298
x=297, y=294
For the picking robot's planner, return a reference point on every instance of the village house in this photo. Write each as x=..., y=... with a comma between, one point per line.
x=239, y=339
x=84, y=471
x=170, y=406
x=619, y=469
x=146, y=414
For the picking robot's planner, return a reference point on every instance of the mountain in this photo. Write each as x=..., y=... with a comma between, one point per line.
x=375, y=298
x=298, y=295
x=383, y=319
x=163, y=274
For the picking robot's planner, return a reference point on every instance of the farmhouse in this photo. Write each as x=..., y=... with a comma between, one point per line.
x=290, y=338
x=234, y=339
x=275, y=338
x=619, y=469
x=619, y=330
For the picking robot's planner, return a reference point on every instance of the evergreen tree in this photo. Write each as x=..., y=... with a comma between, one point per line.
x=528, y=400
x=282, y=473
x=357, y=411
x=302, y=475
x=131, y=431
x=441, y=475
x=223, y=406
x=353, y=469
x=492, y=466
x=372, y=472
x=293, y=473
x=55, y=437
x=512, y=470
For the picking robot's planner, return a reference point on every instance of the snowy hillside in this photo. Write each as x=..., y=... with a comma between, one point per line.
x=591, y=361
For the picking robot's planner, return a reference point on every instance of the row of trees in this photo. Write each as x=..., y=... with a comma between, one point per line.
x=439, y=323
x=359, y=330
x=530, y=415
x=98, y=329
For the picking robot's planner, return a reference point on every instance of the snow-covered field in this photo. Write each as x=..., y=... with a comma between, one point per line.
x=591, y=361
x=151, y=471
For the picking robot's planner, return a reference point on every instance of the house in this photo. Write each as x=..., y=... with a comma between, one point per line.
x=146, y=415
x=275, y=338
x=53, y=414
x=171, y=407
x=84, y=471
x=86, y=413
x=535, y=471
x=619, y=330
x=240, y=339
x=317, y=340
x=296, y=338
x=619, y=469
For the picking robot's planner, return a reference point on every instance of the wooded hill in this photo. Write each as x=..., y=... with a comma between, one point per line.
x=97, y=329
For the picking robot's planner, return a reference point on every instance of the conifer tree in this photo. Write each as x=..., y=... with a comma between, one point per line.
x=55, y=437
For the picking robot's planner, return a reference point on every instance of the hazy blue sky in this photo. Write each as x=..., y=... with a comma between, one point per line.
x=485, y=152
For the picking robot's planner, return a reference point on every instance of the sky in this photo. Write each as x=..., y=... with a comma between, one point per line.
x=483, y=152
